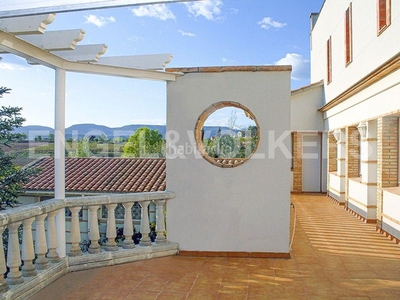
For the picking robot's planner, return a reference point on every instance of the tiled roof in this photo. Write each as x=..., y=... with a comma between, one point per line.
x=103, y=175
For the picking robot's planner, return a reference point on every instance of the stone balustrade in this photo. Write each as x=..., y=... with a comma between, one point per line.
x=32, y=260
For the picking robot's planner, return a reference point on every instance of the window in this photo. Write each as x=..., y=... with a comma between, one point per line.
x=329, y=60
x=348, y=36
x=227, y=134
x=383, y=15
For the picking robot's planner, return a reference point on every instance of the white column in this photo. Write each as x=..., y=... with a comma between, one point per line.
x=75, y=236
x=94, y=234
x=160, y=225
x=59, y=157
x=40, y=244
x=369, y=167
x=52, y=256
x=144, y=224
x=13, y=255
x=111, y=228
x=128, y=227
x=341, y=153
x=28, y=253
x=341, y=164
x=3, y=269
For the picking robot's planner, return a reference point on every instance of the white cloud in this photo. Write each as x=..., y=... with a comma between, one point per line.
x=300, y=65
x=234, y=11
x=158, y=11
x=268, y=22
x=184, y=33
x=10, y=67
x=98, y=20
x=206, y=8
x=228, y=61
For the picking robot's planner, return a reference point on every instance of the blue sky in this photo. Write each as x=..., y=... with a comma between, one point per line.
x=203, y=33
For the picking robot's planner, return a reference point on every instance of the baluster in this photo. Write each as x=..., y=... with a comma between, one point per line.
x=94, y=234
x=128, y=227
x=52, y=256
x=40, y=243
x=75, y=235
x=160, y=225
x=13, y=255
x=28, y=253
x=111, y=228
x=3, y=269
x=144, y=224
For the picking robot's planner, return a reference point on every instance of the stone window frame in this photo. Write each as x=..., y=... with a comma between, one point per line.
x=222, y=162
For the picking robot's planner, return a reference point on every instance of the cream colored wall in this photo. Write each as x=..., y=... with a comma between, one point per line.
x=246, y=208
x=378, y=99
x=304, y=113
x=369, y=49
x=305, y=117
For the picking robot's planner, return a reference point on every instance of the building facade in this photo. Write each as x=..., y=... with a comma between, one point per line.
x=355, y=51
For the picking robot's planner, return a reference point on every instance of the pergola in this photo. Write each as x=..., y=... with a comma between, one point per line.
x=23, y=33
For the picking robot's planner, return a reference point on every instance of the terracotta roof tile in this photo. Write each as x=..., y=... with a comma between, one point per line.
x=99, y=175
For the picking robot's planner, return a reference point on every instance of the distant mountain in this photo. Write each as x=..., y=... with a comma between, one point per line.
x=79, y=131
x=33, y=131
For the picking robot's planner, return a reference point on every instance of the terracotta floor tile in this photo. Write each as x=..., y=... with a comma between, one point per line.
x=334, y=256
x=363, y=274
x=201, y=296
x=114, y=294
x=135, y=295
x=231, y=296
x=171, y=296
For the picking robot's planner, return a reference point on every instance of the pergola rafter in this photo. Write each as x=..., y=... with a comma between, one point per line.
x=15, y=45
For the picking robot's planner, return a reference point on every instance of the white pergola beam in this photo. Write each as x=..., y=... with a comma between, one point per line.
x=87, y=53
x=21, y=48
x=13, y=8
x=14, y=45
x=90, y=68
x=26, y=25
x=56, y=40
x=147, y=62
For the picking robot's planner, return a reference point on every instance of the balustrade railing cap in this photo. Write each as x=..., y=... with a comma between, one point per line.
x=17, y=214
x=23, y=212
x=118, y=198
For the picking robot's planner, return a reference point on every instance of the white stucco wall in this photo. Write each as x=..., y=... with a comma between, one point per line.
x=380, y=98
x=368, y=49
x=305, y=117
x=305, y=103
x=246, y=208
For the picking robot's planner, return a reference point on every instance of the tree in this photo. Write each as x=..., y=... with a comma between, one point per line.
x=145, y=143
x=12, y=177
x=83, y=148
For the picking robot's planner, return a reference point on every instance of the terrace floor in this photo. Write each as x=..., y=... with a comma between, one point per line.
x=334, y=256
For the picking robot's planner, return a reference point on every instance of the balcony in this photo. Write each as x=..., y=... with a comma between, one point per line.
x=34, y=261
x=333, y=255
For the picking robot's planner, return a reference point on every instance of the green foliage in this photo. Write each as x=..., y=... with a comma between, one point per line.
x=83, y=148
x=228, y=146
x=145, y=143
x=12, y=177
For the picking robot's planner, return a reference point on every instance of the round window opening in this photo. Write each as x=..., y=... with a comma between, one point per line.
x=227, y=134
